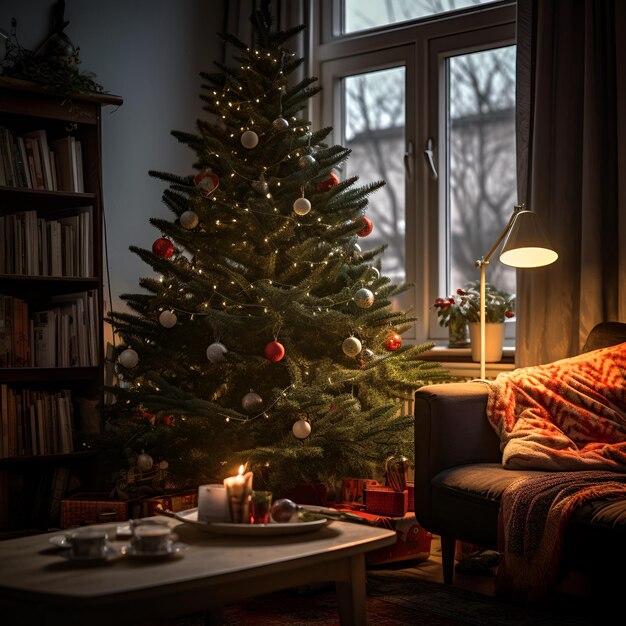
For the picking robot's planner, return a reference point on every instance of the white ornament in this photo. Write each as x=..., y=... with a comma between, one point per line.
x=215, y=352
x=351, y=346
x=280, y=123
x=301, y=206
x=364, y=298
x=168, y=319
x=249, y=139
x=301, y=429
x=144, y=462
x=129, y=358
x=252, y=402
x=189, y=220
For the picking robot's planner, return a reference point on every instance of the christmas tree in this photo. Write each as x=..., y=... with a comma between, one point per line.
x=267, y=338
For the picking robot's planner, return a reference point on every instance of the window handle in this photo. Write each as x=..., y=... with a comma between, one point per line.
x=428, y=155
x=408, y=160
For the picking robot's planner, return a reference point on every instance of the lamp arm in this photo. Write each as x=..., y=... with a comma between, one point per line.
x=516, y=211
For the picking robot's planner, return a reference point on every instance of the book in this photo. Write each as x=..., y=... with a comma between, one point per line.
x=63, y=156
x=41, y=139
x=64, y=407
x=4, y=420
x=33, y=152
x=80, y=179
x=24, y=157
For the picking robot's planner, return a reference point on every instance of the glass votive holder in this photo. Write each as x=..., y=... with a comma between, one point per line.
x=260, y=505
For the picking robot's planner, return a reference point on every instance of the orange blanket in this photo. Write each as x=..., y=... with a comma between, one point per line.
x=568, y=415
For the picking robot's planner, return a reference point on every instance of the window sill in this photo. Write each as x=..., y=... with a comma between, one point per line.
x=458, y=361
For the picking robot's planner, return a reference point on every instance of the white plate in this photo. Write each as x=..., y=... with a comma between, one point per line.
x=190, y=516
x=110, y=553
x=174, y=550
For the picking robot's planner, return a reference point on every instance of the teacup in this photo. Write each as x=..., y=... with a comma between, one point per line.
x=88, y=542
x=151, y=536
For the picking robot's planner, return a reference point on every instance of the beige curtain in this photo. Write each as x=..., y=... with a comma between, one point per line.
x=571, y=143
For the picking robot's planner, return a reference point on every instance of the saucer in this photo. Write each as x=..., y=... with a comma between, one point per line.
x=108, y=554
x=175, y=549
x=60, y=541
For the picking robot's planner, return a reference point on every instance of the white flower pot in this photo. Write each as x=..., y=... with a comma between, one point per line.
x=494, y=340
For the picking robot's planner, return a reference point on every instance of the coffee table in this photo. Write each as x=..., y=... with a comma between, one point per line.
x=38, y=586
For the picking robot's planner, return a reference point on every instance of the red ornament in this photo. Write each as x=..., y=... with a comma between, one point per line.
x=329, y=183
x=367, y=226
x=207, y=181
x=163, y=248
x=393, y=342
x=274, y=351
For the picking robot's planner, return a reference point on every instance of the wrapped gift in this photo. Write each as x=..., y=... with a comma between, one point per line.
x=178, y=501
x=92, y=508
x=412, y=544
x=352, y=488
x=386, y=501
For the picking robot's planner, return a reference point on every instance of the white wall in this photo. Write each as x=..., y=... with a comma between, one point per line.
x=150, y=53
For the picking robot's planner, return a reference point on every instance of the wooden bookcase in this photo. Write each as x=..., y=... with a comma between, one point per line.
x=52, y=246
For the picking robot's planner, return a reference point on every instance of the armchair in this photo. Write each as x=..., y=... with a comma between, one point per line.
x=459, y=477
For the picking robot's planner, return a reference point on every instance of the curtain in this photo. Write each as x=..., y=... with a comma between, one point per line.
x=571, y=148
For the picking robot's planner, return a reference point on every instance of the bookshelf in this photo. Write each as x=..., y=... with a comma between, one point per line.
x=51, y=294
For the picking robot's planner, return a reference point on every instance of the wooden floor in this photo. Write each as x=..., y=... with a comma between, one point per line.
x=432, y=570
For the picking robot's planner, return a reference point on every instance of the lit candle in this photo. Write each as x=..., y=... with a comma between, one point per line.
x=238, y=489
x=213, y=504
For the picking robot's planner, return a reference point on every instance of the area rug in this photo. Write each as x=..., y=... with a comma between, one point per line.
x=395, y=598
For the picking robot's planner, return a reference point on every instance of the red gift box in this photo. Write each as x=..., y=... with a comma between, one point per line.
x=412, y=544
x=89, y=508
x=352, y=488
x=386, y=501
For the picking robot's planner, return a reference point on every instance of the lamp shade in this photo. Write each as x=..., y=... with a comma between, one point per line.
x=526, y=244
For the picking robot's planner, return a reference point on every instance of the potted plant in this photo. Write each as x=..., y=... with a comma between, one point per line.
x=463, y=307
x=452, y=313
x=499, y=306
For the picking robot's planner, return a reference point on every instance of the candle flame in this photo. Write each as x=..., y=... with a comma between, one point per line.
x=241, y=468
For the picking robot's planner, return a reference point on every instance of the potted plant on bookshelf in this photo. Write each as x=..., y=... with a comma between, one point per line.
x=499, y=306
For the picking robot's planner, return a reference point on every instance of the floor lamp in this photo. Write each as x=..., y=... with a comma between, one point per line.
x=526, y=246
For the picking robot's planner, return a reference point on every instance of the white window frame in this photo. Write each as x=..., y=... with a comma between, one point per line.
x=422, y=47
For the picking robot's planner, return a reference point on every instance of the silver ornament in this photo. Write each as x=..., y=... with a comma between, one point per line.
x=374, y=273
x=356, y=252
x=301, y=429
x=168, y=319
x=280, y=123
x=260, y=186
x=366, y=356
x=364, y=298
x=129, y=358
x=216, y=352
x=144, y=462
x=252, y=403
x=306, y=160
x=189, y=220
x=249, y=139
x=301, y=206
x=351, y=346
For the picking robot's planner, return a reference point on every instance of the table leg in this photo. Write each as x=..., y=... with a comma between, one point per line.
x=214, y=616
x=351, y=593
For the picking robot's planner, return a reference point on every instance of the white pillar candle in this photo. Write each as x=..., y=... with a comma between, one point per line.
x=213, y=504
x=238, y=488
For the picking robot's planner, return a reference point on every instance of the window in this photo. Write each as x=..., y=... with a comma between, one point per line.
x=395, y=87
